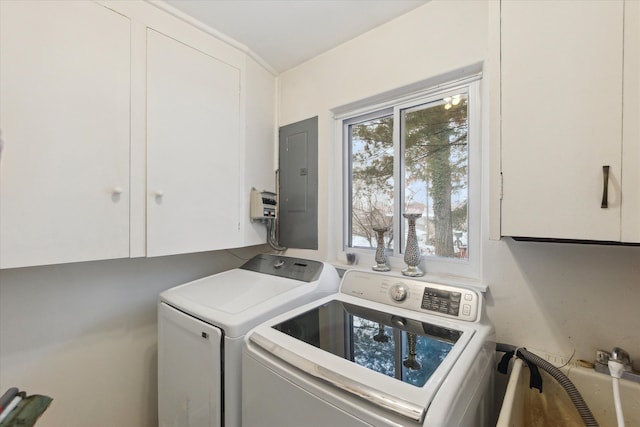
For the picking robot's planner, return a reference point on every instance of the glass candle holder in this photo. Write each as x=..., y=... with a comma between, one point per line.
x=381, y=256
x=412, y=251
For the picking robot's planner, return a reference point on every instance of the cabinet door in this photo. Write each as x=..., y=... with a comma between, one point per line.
x=631, y=124
x=64, y=117
x=561, y=66
x=193, y=104
x=189, y=370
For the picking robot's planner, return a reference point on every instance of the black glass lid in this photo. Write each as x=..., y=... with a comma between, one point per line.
x=402, y=348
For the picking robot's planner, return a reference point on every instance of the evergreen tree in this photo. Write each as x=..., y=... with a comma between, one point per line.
x=435, y=152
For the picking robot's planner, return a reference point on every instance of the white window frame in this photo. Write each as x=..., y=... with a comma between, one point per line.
x=432, y=265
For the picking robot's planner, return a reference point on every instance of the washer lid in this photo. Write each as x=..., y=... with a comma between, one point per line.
x=343, y=343
x=236, y=299
x=234, y=291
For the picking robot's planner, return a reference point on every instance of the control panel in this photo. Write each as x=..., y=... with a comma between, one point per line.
x=282, y=266
x=433, y=298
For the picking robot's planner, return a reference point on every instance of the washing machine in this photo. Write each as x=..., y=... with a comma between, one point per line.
x=385, y=350
x=201, y=326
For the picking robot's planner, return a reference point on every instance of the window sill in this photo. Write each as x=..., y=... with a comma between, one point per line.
x=466, y=276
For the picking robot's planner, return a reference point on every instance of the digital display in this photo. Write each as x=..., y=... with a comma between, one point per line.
x=441, y=301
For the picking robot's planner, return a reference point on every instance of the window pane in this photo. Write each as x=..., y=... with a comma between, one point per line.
x=371, y=169
x=436, y=174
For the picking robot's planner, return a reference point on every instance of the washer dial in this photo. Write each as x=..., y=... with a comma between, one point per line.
x=398, y=292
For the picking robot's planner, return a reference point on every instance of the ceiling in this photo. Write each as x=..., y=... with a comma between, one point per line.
x=285, y=33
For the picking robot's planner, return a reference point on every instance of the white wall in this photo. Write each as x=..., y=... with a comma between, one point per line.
x=554, y=298
x=85, y=334
x=430, y=41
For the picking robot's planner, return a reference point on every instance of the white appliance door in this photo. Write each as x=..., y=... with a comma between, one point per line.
x=189, y=370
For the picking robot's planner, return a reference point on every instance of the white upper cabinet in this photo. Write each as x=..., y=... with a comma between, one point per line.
x=562, y=120
x=193, y=146
x=125, y=134
x=64, y=118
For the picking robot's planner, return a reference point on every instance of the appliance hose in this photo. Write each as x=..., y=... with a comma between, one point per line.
x=558, y=375
x=617, y=401
x=271, y=235
x=616, y=368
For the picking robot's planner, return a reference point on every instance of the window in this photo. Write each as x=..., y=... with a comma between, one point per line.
x=417, y=155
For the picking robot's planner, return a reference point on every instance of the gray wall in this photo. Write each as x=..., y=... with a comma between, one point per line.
x=85, y=334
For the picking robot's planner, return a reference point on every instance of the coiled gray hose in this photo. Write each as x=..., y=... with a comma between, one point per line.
x=565, y=382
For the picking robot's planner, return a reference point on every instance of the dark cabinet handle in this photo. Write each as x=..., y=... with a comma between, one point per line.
x=605, y=189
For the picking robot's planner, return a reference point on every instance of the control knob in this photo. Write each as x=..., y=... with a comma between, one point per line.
x=398, y=292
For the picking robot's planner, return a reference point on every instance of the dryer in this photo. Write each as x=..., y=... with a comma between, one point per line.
x=201, y=326
x=385, y=350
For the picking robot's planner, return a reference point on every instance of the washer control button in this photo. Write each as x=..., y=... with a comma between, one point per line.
x=466, y=309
